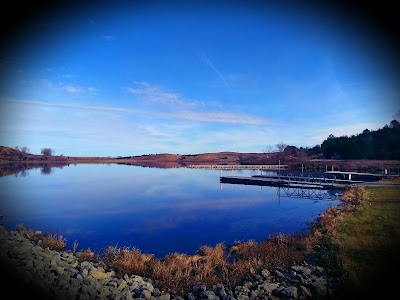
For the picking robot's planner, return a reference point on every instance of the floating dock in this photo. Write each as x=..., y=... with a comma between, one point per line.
x=239, y=167
x=290, y=181
x=356, y=175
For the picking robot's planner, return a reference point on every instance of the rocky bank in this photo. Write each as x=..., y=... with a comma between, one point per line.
x=29, y=271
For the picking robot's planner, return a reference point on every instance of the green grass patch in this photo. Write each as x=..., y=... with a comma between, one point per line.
x=369, y=240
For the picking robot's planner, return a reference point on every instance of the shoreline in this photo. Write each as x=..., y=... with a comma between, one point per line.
x=59, y=275
x=392, y=168
x=50, y=274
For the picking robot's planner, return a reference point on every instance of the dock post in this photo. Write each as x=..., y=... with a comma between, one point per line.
x=279, y=168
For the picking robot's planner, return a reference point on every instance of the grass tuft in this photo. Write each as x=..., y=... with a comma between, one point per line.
x=85, y=255
x=52, y=241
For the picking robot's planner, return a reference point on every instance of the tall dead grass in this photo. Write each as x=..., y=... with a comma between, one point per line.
x=277, y=251
x=210, y=265
x=52, y=241
x=353, y=196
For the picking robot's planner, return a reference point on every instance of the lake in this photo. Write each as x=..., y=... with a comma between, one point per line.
x=155, y=210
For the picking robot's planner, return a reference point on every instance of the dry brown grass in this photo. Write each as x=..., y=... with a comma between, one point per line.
x=128, y=260
x=180, y=272
x=210, y=265
x=52, y=241
x=354, y=195
x=278, y=251
x=85, y=255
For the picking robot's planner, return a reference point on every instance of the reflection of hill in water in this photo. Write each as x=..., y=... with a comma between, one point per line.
x=155, y=164
x=22, y=169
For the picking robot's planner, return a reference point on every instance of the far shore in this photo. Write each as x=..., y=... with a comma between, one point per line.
x=12, y=161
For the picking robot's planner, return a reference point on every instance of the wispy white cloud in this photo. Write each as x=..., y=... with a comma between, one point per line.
x=207, y=116
x=72, y=89
x=69, y=88
x=220, y=117
x=154, y=94
x=107, y=37
x=211, y=65
x=185, y=109
x=77, y=106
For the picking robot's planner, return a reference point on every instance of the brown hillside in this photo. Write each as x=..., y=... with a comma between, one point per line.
x=12, y=160
x=8, y=152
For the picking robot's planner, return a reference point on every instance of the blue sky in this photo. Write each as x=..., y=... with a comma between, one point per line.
x=162, y=77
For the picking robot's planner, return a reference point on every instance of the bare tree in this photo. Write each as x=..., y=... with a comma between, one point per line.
x=269, y=149
x=281, y=146
x=47, y=151
x=24, y=150
x=397, y=115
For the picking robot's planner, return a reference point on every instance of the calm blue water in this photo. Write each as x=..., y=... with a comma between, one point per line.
x=158, y=211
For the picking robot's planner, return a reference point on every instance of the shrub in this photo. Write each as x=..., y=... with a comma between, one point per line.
x=128, y=260
x=279, y=251
x=53, y=242
x=353, y=195
x=85, y=255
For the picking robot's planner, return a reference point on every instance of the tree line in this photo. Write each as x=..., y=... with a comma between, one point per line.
x=47, y=151
x=383, y=143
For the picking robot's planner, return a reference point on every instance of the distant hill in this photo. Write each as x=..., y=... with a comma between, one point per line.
x=7, y=152
x=221, y=158
x=369, y=146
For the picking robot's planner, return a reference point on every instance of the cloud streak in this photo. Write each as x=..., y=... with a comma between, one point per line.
x=186, y=115
x=220, y=117
x=211, y=65
x=155, y=94
x=69, y=88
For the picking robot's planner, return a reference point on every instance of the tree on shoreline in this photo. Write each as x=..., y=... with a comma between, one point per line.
x=47, y=151
x=24, y=149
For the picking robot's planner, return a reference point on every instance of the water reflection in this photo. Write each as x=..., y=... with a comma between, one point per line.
x=23, y=169
x=156, y=210
x=309, y=193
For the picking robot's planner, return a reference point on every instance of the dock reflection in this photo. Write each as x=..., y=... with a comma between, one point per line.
x=308, y=193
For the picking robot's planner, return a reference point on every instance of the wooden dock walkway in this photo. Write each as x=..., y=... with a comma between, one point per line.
x=289, y=181
x=356, y=175
x=239, y=167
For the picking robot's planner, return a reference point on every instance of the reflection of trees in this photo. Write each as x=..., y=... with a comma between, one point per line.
x=22, y=173
x=46, y=170
x=21, y=169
